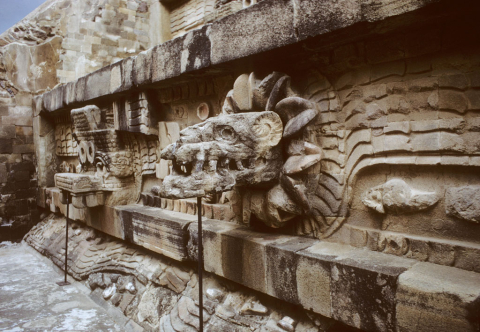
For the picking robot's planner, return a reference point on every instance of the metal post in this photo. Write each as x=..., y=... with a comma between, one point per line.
x=65, y=282
x=200, y=261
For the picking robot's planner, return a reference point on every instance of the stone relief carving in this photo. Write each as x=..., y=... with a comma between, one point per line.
x=109, y=161
x=285, y=152
x=140, y=115
x=233, y=149
x=257, y=142
x=396, y=196
x=66, y=146
x=463, y=203
x=158, y=293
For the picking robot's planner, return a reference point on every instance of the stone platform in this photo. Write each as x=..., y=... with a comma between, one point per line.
x=368, y=290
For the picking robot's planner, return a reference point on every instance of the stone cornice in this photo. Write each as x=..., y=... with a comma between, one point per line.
x=268, y=25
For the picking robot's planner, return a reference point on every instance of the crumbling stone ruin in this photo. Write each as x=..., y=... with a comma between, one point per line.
x=335, y=145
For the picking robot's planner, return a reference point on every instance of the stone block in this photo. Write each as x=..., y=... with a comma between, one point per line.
x=401, y=126
x=265, y=26
x=397, y=143
x=69, y=93
x=452, y=101
x=162, y=169
x=313, y=276
x=37, y=105
x=451, y=142
x=458, y=81
x=127, y=71
x=473, y=97
x=142, y=73
x=161, y=231
x=97, y=83
x=238, y=254
x=53, y=100
x=7, y=131
x=314, y=17
x=166, y=60
x=426, y=142
x=6, y=145
x=467, y=258
x=168, y=132
x=463, y=203
x=80, y=89
x=116, y=80
x=17, y=120
x=363, y=287
x=437, y=298
x=23, y=131
x=383, y=70
x=454, y=160
x=244, y=258
x=441, y=253
x=282, y=263
x=196, y=50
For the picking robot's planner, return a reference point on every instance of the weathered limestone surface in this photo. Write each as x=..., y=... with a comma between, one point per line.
x=435, y=298
x=39, y=303
x=367, y=290
x=464, y=203
x=372, y=128
x=59, y=42
x=225, y=40
x=161, y=294
x=396, y=196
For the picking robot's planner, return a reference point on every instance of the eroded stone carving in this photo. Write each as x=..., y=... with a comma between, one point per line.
x=396, y=196
x=463, y=203
x=245, y=146
x=105, y=164
x=66, y=146
x=213, y=156
x=157, y=293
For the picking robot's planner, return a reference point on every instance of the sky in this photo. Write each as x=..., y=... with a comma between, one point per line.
x=12, y=11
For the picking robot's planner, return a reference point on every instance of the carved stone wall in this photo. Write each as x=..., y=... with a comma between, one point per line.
x=57, y=43
x=335, y=146
x=92, y=34
x=162, y=295
x=381, y=103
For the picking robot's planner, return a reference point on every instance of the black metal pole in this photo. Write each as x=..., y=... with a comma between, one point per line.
x=66, y=235
x=65, y=282
x=200, y=262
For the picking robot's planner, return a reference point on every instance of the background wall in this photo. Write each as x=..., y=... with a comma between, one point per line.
x=63, y=40
x=60, y=41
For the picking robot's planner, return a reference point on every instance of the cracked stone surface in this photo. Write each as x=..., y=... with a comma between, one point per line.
x=30, y=299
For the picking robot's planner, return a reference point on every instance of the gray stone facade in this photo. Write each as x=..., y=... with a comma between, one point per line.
x=335, y=144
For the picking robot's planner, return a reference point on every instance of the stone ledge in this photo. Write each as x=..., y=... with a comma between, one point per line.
x=368, y=290
x=438, y=298
x=355, y=286
x=265, y=26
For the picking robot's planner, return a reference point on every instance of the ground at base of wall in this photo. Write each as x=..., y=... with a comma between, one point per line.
x=37, y=303
x=159, y=294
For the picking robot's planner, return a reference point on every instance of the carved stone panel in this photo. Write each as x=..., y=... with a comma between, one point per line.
x=66, y=146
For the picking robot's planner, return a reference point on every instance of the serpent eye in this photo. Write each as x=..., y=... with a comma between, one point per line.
x=225, y=133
